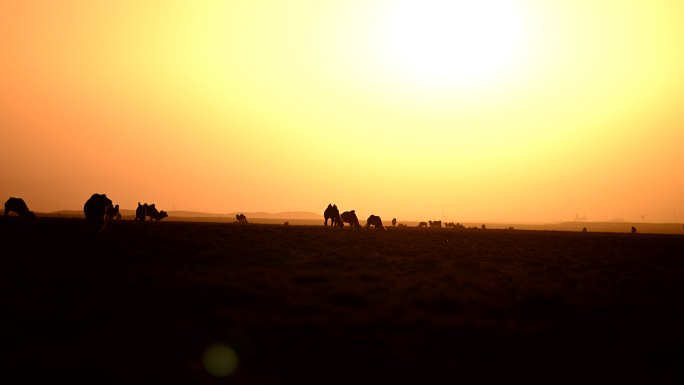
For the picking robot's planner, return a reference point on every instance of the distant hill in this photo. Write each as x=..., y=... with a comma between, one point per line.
x=260, y=215
x=282, y=215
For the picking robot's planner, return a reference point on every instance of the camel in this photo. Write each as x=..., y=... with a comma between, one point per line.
x=422, y=224
x=332, y=213
x=140, y=212
x=435, y=224
x=154, y=214
x=111, y=213
x=350, y=217
x=394, y=222
x=241, y=218
x=374, y=221
x=157, y=215
x=94, y=210
x=18, y=206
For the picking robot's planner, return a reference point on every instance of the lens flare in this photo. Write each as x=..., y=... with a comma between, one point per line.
x=220, y=360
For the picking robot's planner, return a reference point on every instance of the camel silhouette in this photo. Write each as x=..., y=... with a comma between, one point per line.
x=19, y=207
x=157, y=215
x=241, y=218
x=332, y=213
x=374, y=221
x=350, y=217
x=112, y=212
x=140, y=212
x=152, y=212
x=94, y=210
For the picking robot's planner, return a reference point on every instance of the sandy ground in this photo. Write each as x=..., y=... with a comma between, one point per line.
x=174, y=302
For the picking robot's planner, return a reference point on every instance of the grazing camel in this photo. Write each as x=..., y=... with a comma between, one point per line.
x=111, y=213
x=350, y=217
x=158, y=215
x=332, y=213
x=374, y=221
x=154, y=214
x=435, y=224
x=241, y=218
x=18, y=206
x=422, y=224
x=94, y=210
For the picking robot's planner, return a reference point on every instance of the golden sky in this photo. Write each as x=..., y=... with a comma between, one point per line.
x=492, y=110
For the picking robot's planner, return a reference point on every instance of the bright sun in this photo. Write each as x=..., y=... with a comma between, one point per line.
x=451, y=43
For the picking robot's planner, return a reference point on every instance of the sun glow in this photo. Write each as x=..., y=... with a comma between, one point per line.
x=452, y=43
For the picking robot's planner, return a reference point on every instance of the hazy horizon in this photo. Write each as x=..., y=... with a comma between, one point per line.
x=310, y=217
x=490, y=111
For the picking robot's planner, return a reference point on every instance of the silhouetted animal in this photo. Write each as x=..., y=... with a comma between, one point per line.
x=112, y=212
x=375, y=221
x=241, y=218
x=634, y=230
x=140, y=212
x=94, y=210
x=422, y=224
x=157, y=215
x=394, y=222
x=154, y=214
x=18, y=206
x=350, y=217
x=332, y=213
x=435, y=224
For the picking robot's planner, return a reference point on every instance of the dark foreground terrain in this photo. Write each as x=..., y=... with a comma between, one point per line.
x=149, y=303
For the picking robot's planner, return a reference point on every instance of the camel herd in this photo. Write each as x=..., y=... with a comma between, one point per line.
x=336, y=219
x=332, y=213
x=98, y=211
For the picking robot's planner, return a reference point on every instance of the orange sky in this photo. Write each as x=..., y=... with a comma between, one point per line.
x=497, y=110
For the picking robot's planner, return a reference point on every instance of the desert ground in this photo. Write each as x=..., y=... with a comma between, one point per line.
x=221, y=303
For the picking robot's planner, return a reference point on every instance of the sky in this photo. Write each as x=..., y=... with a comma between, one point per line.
x=465, y=111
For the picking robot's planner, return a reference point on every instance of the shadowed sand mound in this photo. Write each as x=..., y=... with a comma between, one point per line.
x=273, y=304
